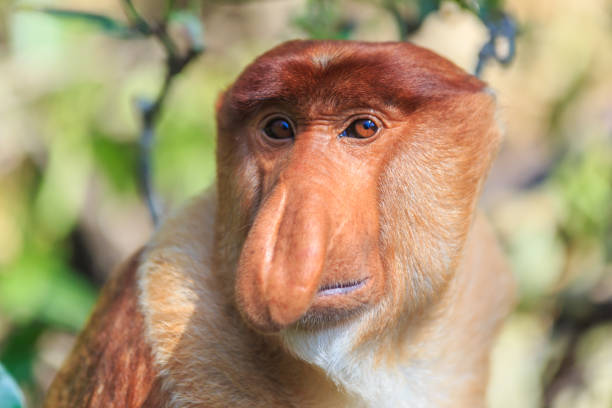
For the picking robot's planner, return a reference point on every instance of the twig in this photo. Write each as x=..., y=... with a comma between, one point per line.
x=499, y=25
x=502, y=27
x=568, y=372
x=150, y=111
x=406, y=27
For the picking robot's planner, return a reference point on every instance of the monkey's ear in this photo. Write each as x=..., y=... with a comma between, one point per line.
x=220, y=101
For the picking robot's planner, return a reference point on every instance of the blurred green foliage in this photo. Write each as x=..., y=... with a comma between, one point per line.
x=323, y=19
x=104, y=23
x=10, y=395
x=585, y=184
x=47, y=274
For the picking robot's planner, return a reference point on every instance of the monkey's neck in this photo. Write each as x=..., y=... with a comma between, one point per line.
x=208, y=357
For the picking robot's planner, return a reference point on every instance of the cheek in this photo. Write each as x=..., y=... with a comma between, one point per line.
x=239, y=192
x=248, y=189
x=420, y=235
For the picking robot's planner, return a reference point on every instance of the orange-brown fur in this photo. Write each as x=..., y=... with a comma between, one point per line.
x=111, y=364
x=232, y=287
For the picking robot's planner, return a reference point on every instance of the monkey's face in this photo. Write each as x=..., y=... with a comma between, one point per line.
x=354, y=169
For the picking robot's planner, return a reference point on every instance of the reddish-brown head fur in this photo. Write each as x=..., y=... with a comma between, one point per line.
x=323, y=227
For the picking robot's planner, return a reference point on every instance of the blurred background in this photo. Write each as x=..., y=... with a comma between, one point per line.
x=70, y=206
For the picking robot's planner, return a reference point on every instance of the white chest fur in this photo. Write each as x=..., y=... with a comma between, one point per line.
x=360, y=371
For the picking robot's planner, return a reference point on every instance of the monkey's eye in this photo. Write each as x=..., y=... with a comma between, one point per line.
x=279, y=128
x=360, y=129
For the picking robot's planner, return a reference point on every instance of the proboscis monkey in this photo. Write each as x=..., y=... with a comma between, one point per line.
x=340, y=261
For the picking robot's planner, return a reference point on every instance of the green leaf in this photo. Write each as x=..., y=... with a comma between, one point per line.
x=484, y=9
x=42, y=286
x=118, y=162
x=19, y=351
x=10, y=394
x=409, y=15
x=585, y=184
x=322, y=19
x=102, y=22
x=192, y=25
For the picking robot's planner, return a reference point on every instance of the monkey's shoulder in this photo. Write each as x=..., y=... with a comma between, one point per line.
x=111, y=364
x=485, y=270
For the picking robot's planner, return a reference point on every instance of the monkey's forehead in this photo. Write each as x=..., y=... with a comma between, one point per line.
x=346, y=75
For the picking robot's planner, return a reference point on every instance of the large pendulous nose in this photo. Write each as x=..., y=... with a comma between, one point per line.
x=280, y=266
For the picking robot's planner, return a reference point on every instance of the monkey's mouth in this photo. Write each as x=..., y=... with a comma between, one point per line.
x=341, y=288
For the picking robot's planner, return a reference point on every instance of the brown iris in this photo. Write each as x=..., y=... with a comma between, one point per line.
x=279, y=128
x=360, y=129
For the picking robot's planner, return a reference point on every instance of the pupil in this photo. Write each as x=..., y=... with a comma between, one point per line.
x=279, y=128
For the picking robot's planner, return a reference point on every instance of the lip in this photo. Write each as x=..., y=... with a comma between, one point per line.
x=341, y=288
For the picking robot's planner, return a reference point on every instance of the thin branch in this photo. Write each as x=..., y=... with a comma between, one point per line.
x=136, y=20
x=568, y=371
x=503, y=27
x=150, y=111
x=169, y=7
